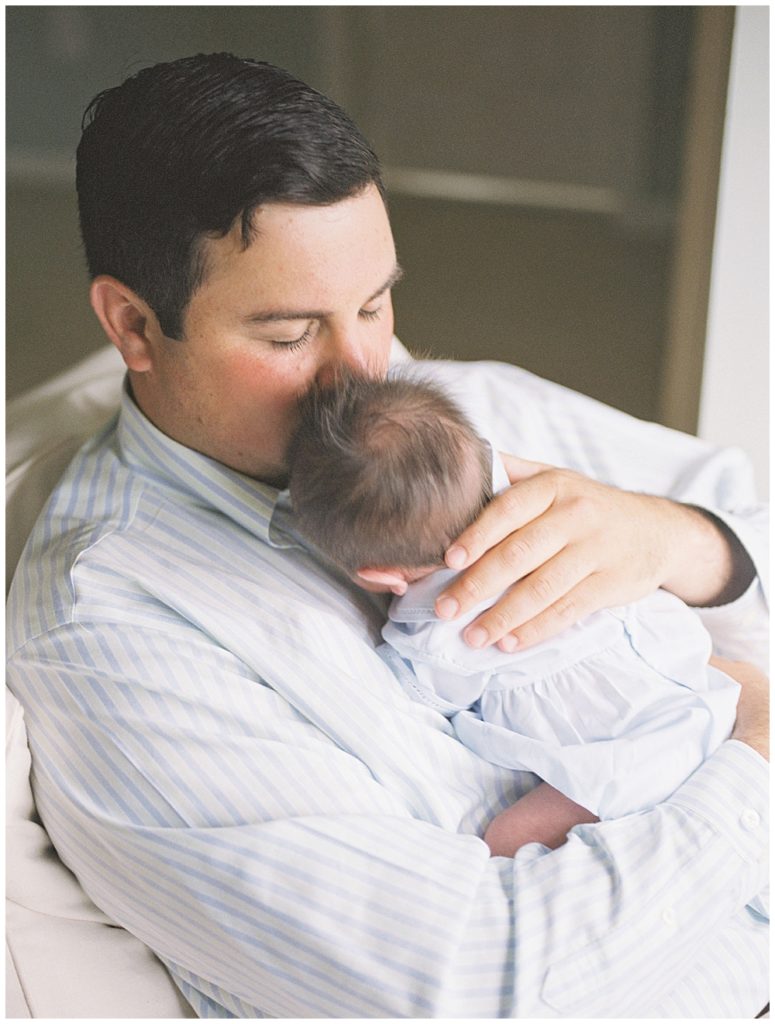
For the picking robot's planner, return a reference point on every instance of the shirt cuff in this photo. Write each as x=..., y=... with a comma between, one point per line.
x=751, y=527
x=730, y=792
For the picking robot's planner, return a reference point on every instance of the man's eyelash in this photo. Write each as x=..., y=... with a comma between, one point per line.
x=290, y=346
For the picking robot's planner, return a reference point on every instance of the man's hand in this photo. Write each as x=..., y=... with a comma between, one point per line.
x=567, y=546
x=752, y=725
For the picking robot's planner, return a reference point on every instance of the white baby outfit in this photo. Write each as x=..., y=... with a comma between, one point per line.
x=616, y=712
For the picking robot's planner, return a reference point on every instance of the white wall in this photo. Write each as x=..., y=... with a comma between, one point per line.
x=734, y=405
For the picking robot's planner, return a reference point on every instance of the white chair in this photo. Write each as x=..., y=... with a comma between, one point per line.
x=64, y=957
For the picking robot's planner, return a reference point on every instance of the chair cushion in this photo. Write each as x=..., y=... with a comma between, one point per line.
x=64, y=957
x=44, y=429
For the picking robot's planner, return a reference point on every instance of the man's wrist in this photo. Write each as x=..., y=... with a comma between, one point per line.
x=710, y=566
x=757, y=740
x=752, y=724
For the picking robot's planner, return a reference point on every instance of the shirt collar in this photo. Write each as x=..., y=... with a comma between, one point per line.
x=258, y=507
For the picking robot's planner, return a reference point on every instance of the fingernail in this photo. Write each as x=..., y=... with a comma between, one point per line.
x=476, y=636
x=447, y=608
x=508, y=643
x=456, y=557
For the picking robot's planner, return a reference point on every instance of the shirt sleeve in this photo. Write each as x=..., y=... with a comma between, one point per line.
x=720, y=481
x=274, y=870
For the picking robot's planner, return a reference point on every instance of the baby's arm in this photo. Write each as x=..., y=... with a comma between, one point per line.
x=544, y=815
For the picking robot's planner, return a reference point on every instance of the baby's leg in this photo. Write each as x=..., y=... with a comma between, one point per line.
x=544, y=815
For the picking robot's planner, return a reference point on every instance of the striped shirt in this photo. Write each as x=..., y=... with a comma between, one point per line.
x=236, y=777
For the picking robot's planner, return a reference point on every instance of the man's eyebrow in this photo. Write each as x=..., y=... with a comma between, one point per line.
x=271, y=316
x=392, y=281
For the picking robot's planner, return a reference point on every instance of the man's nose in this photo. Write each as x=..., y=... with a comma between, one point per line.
x=344, y=352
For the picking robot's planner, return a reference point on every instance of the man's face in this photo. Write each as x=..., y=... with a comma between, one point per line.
x=311, y=292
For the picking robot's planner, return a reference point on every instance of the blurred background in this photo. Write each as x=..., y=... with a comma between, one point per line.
x=581, y=191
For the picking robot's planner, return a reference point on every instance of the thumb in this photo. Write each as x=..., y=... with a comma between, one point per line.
x=522, y=469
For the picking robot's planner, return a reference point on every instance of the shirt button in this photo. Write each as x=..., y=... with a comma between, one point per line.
x=749, y=819
x=668, y=917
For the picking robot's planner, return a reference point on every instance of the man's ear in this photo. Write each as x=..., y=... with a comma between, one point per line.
x=127, y=320
x=394, y=579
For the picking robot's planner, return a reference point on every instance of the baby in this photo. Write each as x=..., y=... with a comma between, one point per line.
x=613, y=715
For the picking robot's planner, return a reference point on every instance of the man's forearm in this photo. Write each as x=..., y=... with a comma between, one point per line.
x=709, y=566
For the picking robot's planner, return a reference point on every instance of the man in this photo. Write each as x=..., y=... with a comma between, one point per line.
x=219, y=754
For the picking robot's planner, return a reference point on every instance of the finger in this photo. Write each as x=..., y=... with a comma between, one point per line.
x=583, y=600
x=507, y=512
x=521, y=469
x=519, y=554
x=531, y=597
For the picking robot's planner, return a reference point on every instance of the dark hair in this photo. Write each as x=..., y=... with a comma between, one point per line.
x=385, y=472
x=182, y=149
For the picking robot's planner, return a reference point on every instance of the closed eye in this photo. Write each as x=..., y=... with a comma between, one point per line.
x=295, y=343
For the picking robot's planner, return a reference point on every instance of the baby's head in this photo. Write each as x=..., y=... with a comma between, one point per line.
x=385, y=474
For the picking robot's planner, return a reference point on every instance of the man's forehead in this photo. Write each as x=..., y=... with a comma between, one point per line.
x=288, y=238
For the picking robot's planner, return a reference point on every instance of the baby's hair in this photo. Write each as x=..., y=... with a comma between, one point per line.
x=385, y=472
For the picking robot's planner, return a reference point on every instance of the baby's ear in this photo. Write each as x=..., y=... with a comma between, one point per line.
x=392, y=579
